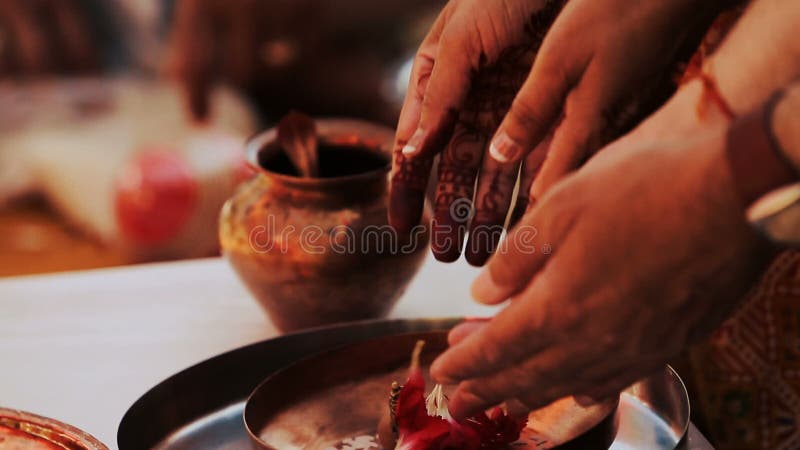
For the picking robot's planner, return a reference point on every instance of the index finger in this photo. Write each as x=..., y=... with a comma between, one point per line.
x=409, y=178
x=516, y=333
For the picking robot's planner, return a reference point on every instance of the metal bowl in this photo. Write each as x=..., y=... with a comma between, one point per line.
x=338, y=396
x=26, y=429
x=201, y=408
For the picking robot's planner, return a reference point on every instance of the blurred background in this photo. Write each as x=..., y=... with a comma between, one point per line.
x=122, y=122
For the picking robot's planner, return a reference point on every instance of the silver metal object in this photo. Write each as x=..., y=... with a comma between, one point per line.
x=653, y=413
x=201, y=408
x=299, y=406
x=777, y=215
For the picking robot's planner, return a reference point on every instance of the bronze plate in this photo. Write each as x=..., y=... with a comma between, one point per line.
x=26, y=430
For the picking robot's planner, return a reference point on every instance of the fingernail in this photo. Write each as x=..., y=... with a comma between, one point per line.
x=585, y=401
x=445, y=381
x=504, y=149
x=463, y=331
x=517, y=409
x=415, y=143
x=470, y=319
x=485, y=290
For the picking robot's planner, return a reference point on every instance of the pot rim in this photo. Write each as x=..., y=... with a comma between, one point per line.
x=342, y=131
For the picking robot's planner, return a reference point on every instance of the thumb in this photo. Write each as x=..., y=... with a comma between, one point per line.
x=523, y=253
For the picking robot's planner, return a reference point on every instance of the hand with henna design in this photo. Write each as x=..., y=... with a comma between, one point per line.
x=519, y=79
x=474, y=60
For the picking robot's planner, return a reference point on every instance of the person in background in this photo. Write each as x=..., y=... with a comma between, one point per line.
x=95, y=145
x=79, y=37
x=325, y=58
x=646, y=248
x=38, y=37
x=111, y=74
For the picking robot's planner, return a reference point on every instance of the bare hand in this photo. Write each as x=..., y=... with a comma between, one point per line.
x=649, y=250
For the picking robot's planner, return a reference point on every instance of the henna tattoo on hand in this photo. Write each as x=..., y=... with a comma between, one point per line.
x=495, y=85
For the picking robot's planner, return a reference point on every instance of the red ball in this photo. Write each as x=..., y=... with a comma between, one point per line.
x=155, y=197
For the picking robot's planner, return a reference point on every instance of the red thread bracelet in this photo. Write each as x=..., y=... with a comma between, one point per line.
x=711, y=90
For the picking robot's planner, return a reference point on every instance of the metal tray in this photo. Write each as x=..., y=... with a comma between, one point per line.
x=201, y=407
x=29, y=429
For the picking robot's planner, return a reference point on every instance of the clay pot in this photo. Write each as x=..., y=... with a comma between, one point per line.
x=316, y=251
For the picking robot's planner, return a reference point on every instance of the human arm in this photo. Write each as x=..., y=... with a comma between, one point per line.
x=638, y=254
x=653, y=242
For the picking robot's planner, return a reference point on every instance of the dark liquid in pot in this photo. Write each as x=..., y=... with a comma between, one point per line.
x=334, y=161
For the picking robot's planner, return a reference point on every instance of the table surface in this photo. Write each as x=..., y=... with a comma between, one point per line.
x=81, y=347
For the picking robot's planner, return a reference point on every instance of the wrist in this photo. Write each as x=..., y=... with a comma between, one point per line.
x=704, y=110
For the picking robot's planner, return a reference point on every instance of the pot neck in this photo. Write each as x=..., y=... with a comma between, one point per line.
x=351, y=178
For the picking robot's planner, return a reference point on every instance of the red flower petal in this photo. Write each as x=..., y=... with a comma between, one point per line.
x=419, y=431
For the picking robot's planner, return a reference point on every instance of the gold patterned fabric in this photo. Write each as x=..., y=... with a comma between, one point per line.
x=747, y=375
